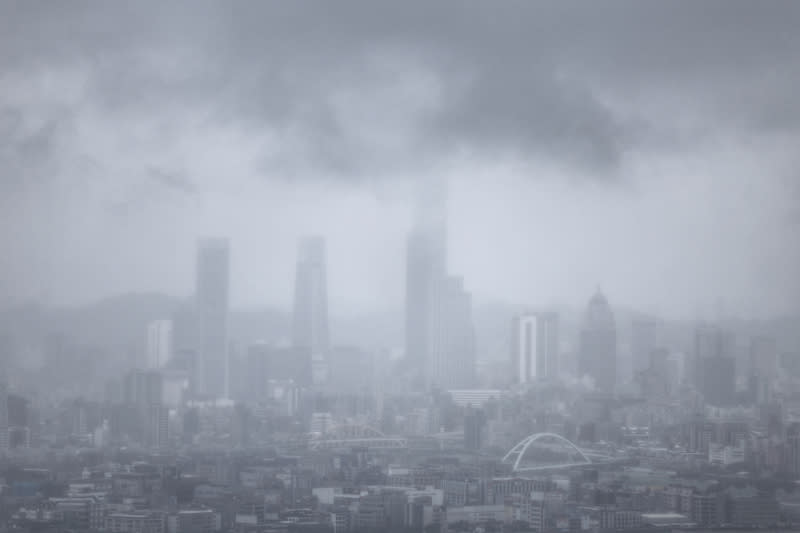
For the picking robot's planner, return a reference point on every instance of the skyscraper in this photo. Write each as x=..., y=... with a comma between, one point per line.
x=4, y=426
x=425, y=274
x=598, y=344
x=211, y=300
x=440, y=337
x=143, y=392
x=451, y=344
x=763, y=368
x=718, y=380
x=159, y=343
x=310, y=322
x=709, y=341
x=714, y=365
x=534, y=347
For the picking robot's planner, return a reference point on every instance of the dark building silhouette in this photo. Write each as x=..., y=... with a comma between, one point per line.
x=709, y=341
x=474, y=429
x=598, y=344
x=265, y=363
x=714, y=365
x=718, y=380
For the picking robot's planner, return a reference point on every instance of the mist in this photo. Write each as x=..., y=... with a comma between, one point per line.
x=646, y=161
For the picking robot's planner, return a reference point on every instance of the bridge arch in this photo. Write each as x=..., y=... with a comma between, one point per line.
x=516, y=453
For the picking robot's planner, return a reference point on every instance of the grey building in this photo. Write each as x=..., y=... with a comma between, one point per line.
x=211, y=301
x=310, y=319
x=425, y=273
x=451, y=358
x=598, y=344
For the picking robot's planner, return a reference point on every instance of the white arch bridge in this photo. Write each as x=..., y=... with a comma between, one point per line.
x=568, y=454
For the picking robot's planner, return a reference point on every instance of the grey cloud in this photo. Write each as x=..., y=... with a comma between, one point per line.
x=28, y=152
x=273, y=65
x=172, y=180
x=529, y=112
x=316, y=90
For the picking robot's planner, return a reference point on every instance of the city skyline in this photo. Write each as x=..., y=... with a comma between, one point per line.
x=371, y=266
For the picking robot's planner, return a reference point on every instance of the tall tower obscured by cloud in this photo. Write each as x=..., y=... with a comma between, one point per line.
x=598, y=344
x=310, y=321
x=211, y=299
x=440, y=337
x=425, y=272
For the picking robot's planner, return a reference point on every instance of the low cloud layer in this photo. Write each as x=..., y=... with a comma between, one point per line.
x=579, y=139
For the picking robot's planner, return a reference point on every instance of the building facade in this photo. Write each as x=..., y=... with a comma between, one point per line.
x=211, y=300
x=598, y=345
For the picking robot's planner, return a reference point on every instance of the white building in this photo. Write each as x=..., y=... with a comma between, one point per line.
x=534, y=347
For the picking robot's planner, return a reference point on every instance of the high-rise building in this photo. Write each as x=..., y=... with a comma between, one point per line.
x=474, y=429
x=211, y=300
x=718, y=380
x=424, y=273
x=142, y=388
x=598, y=344
x=310, y=321
x=709, y=341
x=643, y=342
x=159, y=343
x=265, y=363
x=440, y=339
x=763, y=369
x=547, y=343
x=714, y=365
x=764, y=357
x=534, y=347
x=4, y=441
x=157, y=426
x=143, y=395
x=451, y=355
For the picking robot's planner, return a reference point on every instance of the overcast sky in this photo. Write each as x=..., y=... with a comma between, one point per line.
x=652, y=148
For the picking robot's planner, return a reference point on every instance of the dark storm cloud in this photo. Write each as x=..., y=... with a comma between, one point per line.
x=523, y=77
x=527, y=112
x=143, y=123
x=29, y=152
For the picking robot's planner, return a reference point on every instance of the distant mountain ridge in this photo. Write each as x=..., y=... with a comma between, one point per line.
x=119, y=323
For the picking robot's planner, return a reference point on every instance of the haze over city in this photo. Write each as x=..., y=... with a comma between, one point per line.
x=406, y=267
x=648, y=149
